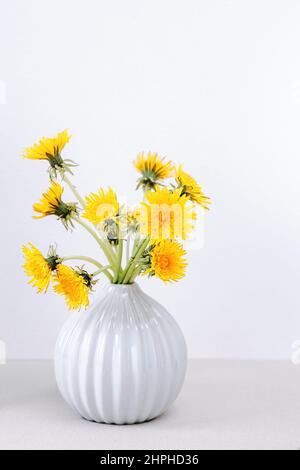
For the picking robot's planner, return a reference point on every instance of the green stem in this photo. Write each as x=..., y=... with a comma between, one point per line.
x=128, y=249
x=103, y=270
x=130, y=259
x=82, y=258
x=119, y=263
x=83, y=204
x=73, y=189
x=132, y=266
x=87, y=259
x=106, y=244
x=107, y=251
x=135, y=274
x=136, y=243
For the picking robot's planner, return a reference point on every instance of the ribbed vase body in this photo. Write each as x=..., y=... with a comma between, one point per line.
x=123, y=361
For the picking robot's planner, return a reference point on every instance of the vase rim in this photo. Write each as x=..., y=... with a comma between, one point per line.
x=134, y=284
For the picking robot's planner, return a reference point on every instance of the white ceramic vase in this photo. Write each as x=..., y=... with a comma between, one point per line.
x=123, y=361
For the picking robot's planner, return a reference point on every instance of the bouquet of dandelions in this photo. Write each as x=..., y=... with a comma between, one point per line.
x=141, y=241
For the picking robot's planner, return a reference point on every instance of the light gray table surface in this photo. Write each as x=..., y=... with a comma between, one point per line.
x=224, y=405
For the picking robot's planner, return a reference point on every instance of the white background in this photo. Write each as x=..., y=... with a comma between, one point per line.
x=214, y=84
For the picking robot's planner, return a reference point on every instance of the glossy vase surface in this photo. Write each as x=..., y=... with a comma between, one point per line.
x=123, y=361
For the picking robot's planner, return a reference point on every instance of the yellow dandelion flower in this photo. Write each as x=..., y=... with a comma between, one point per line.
x=50, y=201
x=39, y=268
x=191, y=188
x=130, y=218
x=153, y=169
x=101, y=206
x=127, y=220
x=50, y=148
x=51, y=204
x=167, y=261
x=166, y=215
x=74, y=285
